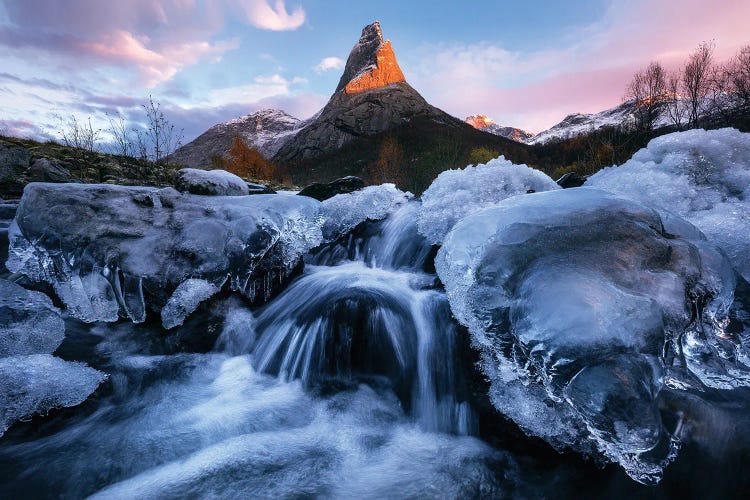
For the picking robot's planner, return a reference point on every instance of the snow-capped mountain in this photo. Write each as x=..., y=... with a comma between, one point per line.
x=578, y=123
x=265, y=130
x=487, y=124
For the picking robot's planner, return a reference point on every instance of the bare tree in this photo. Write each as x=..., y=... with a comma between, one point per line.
x=675, y=105
x=123, y=140
x=648, y=89
x=164, y=139
x=738, y=80
x=77, y=134
x=696, y=81
x=721, y=99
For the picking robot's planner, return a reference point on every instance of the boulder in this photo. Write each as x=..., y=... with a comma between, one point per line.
x=117, y=251
x=321, y=191
x=210, y=182
x=14, y=160
x=45, y=170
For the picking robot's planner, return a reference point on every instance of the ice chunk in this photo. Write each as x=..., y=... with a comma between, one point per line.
x=29, y=323
x=703, y=176
x=115, y=251
x=40, y=382
x=573, y=297
x=458, y=193
x=186, y=299
x=344, y=212
x=210, y=182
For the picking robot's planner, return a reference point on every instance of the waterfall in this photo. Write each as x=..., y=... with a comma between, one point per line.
x=366, y=310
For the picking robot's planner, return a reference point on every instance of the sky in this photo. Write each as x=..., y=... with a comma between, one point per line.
x=526, y=64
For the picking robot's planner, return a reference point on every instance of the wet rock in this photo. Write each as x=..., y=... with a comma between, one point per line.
x=571, y=180
x=321, y=191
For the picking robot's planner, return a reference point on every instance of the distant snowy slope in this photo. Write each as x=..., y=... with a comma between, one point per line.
x=578, y=124
x=265, y=130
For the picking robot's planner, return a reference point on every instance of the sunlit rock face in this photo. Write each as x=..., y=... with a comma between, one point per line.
x=371, y=63
x=487, y=124
x=479, y=121
x=385, y=71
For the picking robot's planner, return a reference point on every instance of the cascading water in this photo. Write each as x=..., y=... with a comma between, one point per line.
x=365, y=309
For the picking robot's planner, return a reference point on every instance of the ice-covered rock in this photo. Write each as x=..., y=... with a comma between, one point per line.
x=344, y=212
x=112, y=251
x=40, y=382
x=29, y=323
x=580, y=302
x=454, y=194
x=210, y=182
x=703, y=176
x=186, y=299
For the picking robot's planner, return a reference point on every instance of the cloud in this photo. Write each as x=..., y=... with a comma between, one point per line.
x=154, y=39
x=261, y=14
x=585, y=72
x=154, y=67
x=25, y=129
x=329, y=63
x=262, y=87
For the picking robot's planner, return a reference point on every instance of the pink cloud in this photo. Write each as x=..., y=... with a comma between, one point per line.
x=262, y=14
x=153, y=38
x=587, y=73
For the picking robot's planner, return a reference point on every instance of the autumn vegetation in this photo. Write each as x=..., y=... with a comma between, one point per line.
x=244, y=161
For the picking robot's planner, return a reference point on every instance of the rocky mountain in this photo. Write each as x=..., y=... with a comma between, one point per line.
x=265, y=130
x=372, y=96
x=487, y=124
x=372, y=101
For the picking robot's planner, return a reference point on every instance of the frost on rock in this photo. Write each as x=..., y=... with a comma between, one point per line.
x=579, y=301
x=112, y=251
x=29, y=323
x=186, y=299
x=37, y=383
x=703, y=176
x=210, y=182
x=454, y=194
x=344, y=212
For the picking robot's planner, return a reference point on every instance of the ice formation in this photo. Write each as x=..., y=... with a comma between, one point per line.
x=113, y=251
x=38, y=383
x=344, y=212
x=186, y=299
x=31, y=379
x=581, y=304
x=29, y=323
x=211, y=182
x=454, y=194
x=703, y=176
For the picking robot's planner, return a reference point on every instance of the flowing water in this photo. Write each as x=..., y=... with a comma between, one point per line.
x=352, y=383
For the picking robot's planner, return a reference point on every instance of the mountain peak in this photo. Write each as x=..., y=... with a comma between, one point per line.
x=371, y=63
x=479, y=121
